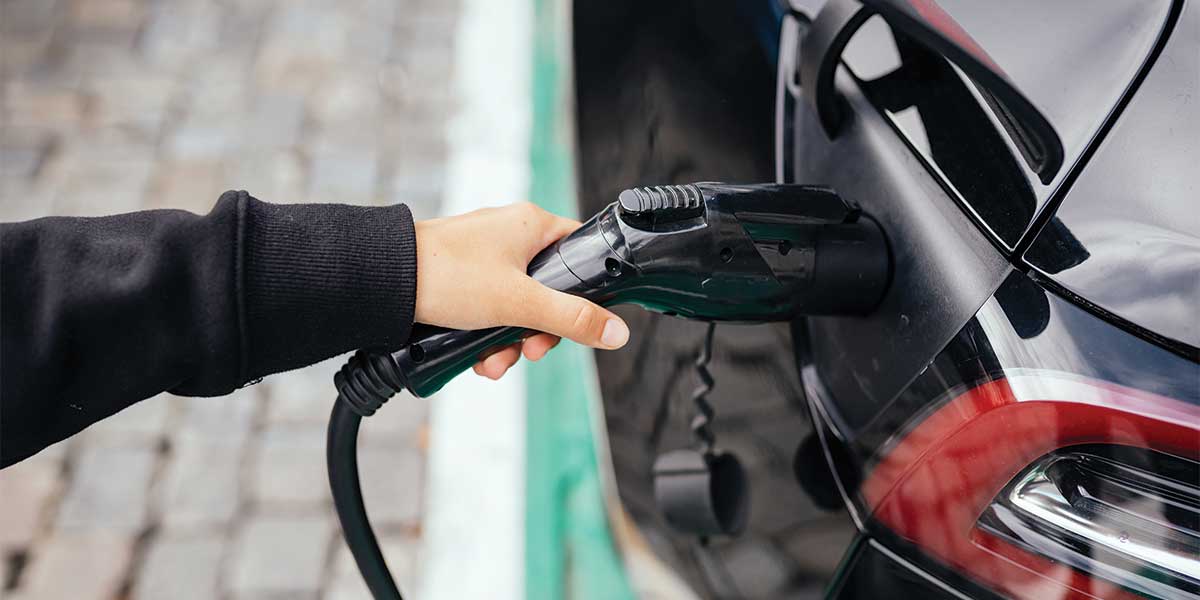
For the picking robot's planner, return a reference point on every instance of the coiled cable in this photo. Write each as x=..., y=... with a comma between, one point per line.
x=702, y=421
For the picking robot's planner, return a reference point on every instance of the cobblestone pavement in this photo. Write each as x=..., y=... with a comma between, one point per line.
x=117, y=105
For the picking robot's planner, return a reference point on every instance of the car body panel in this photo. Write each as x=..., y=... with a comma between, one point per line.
x=1076, y=70
x=917, y=477
x=1128, y=234
x=868, y=360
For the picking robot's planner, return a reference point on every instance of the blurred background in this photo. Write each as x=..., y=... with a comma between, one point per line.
x=117, y=105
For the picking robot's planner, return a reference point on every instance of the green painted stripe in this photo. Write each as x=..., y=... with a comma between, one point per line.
x=569, y=549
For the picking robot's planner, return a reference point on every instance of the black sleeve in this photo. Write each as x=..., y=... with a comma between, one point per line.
x=99, y=313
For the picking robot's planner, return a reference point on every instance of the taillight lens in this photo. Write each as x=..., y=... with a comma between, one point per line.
x=1128, y=515
x=988, y=484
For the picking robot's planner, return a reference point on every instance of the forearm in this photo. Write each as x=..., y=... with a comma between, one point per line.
x=98, y=313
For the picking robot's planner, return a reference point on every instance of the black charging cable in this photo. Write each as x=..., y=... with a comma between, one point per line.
x=364, y=384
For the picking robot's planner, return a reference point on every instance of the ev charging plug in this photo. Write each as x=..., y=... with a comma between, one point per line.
x=705, y=251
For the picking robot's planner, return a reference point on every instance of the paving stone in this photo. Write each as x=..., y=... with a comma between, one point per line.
x=52, y=456
x=401, y=422
x=26, y=488
x=403, y=558
x=370, y=42
x=393, y=485
x=303, y=396
x=423, y=205
x=350, y=95
x=107, y=146
x=419, y=176
x=199, y=488
x=242, y=26
x=109, y=106
x=142, y=424
x=22, y=152
x=24, y=16
x=382, y=13
x=314, y=21
x=288, y=469
x=279, y=556
x=274, y=123
x=181, y=568
x=87, y=59
x=816, y=547
x=22, y=201
x=226, y=420
x=219, y=86
x=79, y=566
x=204, y=139
x=417, y=73
x=350, y=137
x=192, y=185
x=107, y=13
x=177, y=34
x=411, y=136
x=271, y=176
x=20, y=56
x=47, y=106
x=102, y=189
x=759, y=570
x=302, y=49
x=109, y=490
x=133, y=101
x=336, y=177
x=428, y=28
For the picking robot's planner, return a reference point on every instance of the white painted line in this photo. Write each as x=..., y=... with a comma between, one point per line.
x=473, y=539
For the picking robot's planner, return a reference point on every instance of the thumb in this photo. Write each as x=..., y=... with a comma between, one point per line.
x=572, y=317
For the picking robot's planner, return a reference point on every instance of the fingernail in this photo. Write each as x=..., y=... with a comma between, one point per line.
x=615, y=334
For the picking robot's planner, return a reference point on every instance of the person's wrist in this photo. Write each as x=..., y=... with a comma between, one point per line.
x=425, y=257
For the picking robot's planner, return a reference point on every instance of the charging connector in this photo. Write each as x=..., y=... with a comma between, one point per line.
x=707, y=251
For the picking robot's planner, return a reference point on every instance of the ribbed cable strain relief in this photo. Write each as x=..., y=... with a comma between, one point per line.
x=367, y=381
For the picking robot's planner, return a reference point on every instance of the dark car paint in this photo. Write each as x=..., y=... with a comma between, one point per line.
x=1143, y=215
x=868, y=360
x=1135, y=210
x=865, y=362
x=872, y=570
x=1021, y=328
x=1076, y=70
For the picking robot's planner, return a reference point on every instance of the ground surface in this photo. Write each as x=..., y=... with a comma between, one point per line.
x=118, y=105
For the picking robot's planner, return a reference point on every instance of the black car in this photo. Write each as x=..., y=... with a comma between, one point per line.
x=1020, y=416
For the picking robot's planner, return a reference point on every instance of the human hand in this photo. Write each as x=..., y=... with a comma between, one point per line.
x=471, y=275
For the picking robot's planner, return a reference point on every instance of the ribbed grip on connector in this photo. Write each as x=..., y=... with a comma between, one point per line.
x=661, y=198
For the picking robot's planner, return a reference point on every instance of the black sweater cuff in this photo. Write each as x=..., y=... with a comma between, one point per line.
x=318, y=280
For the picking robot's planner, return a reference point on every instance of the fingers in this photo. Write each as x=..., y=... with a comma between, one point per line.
x=495, y=365
x=538, y=345
x=568, y=316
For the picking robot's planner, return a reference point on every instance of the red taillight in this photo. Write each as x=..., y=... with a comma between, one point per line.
x=934, y=483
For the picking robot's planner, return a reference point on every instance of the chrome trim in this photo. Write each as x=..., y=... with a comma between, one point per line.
x=1105, y=518
x=1142, y=538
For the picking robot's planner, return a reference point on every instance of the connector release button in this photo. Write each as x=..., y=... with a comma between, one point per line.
x=661, y=199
